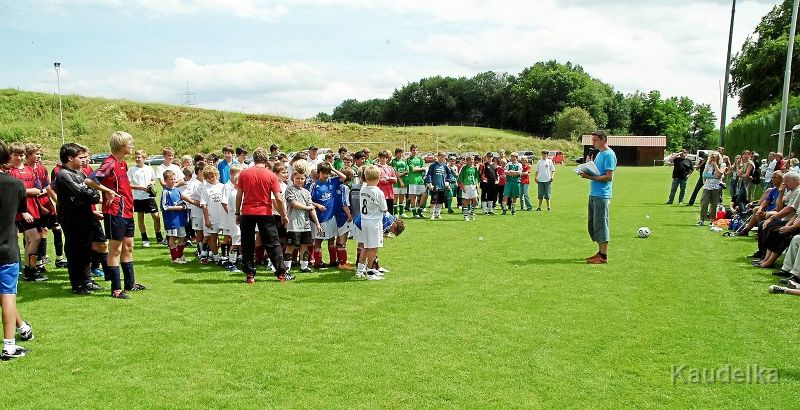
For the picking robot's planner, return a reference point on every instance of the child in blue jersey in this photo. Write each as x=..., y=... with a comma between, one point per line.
x=173, y=206
x=344, y=219
x=438, y=180
x=323, y=194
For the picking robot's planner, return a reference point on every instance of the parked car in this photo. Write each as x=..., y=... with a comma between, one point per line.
x=99, y=158
x=528, y=155
x=154, y=160
x=469, y=154
x=692, y=157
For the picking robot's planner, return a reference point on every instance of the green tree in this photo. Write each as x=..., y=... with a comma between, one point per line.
x=760, y=64
x=573, y=122
x=703, y=133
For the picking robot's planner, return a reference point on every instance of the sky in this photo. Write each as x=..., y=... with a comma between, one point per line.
x=298, y=58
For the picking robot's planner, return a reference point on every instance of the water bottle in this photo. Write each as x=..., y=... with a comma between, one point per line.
x=720, y=211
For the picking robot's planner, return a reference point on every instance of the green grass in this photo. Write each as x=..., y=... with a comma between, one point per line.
x=28, y=116
x=496, y=313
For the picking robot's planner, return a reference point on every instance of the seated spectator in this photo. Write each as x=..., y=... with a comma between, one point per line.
x=766, y=205
x=777, y=230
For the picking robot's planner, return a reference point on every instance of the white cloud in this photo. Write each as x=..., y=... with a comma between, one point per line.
x=252, y=9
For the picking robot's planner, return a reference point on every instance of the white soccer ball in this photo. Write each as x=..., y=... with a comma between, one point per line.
x=644, y=232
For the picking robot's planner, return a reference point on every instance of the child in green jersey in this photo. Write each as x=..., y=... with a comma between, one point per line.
x=513, y=174
x=468, y=183
x=400, y=187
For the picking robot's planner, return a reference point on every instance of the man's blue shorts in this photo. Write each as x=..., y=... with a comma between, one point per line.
x=9, y=276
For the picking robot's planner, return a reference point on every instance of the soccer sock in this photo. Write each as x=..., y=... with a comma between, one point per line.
x=24, y=328
x=375, y=264
x=303, y=264
x=127, y=272
x=287, y=261
x=144, y=237
x=341, y=253
x=58, y=242
x=43, y=248
x=361, y=267
x=296, y=255
x=465, y=211
x=204, y=250
x=9, y=345
x=332, y=255
x=316, y=255
x=113, y=275
x=233, y=256
x=358, y=255
x=224, y=251
x=199, y=247
x=173, y=252
x=180, y=250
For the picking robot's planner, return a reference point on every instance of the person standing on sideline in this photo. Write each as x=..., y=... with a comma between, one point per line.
x=681, y=169
x=13, y=202
x=545, y=173
x=118, y=212
x=699, y=184
x=142, y=178
x=600, y=196
x=259, y=191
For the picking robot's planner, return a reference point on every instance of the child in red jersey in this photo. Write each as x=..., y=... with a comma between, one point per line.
x=118, y=212
x=30, y=228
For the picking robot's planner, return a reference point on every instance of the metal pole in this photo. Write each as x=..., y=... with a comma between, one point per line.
x=724, y=110
x=786, y=74
x=60, y=106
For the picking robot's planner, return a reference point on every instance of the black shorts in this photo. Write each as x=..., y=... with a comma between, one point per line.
x=299, y=238
x=437, y=197
x=24, y=226
x=280, y=227
x=118, y=228
x=48, y=221
x=98, y=235
x=147, y=206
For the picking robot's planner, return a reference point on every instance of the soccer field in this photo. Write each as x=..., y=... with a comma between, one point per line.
x=500, y=312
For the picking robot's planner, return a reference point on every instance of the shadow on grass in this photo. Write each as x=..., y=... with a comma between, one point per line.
x=53, y=289
x=552, y=261
x=327, y=277
x=207, y=281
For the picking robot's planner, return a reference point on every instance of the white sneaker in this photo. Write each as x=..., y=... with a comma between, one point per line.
x=145, y=244
x=404, y=215
x=372, y=274
x=382, y=270
x=433, y=217
x=360, y=274
x=438, y=216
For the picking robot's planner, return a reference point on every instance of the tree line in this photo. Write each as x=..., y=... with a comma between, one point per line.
x=548, y=99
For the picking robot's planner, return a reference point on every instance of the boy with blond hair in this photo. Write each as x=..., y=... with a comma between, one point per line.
x=174, y=204
x=213, y=212
x=372, y=207
x=230, y=230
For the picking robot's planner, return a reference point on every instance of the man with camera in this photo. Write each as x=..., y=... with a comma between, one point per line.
x=682, y=167
x=142, y=178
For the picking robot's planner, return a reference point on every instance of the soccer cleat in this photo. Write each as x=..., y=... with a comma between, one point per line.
x=372, y=274
x=81, y=292
x=433, y=217
x=161, y=242
x=285, y=277
x=782, y=273
x=592, y=257
x=504, y=211
x=18, y=352
x=41, y=269
x=94, y=286
x=145, y=244
x=204, y=261
x=548, y=209
x=404, y=215
x=450, y=211
x=118, y=294
x=178, y=261
x=382, y=270
x=596, y=260
x=360, y=274
x=777, y=289
x=250, y=279
x=305, y=270
x=28, y=334
x=61, y=263
x=346, y=266
x=513, y=212
x=137, y=287
x=538, y=209
x=35, y=277
x=321, y=266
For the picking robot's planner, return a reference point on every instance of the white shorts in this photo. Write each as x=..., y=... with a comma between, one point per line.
x=197, y=224
x=357, y=234
x=329, y=230
x=400, y=191
x=416, y=189
x=347, y=227
x=372, y=233
x=214, y=230
x=235, y=233
x=178, y=233
x=470, y=192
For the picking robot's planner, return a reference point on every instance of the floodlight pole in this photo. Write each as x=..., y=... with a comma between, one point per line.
x=57, y=66
x=786, y=74
x=724, y=109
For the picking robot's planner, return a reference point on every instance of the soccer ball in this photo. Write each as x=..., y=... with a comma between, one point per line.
x=644, y=232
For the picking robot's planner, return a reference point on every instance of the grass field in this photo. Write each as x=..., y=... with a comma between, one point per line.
x=497, y=313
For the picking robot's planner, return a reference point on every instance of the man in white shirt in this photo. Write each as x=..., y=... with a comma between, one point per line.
x=545, y=172
x=169, y=155
x=313, y=159
x=142, y=179
x=773, y=162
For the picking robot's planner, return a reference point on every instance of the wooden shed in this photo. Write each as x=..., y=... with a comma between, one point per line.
x=639, y=151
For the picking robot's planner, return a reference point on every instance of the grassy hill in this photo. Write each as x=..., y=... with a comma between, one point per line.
x=29, y=116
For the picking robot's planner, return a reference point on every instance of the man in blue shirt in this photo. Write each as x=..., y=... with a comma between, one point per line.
x=600, y=196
